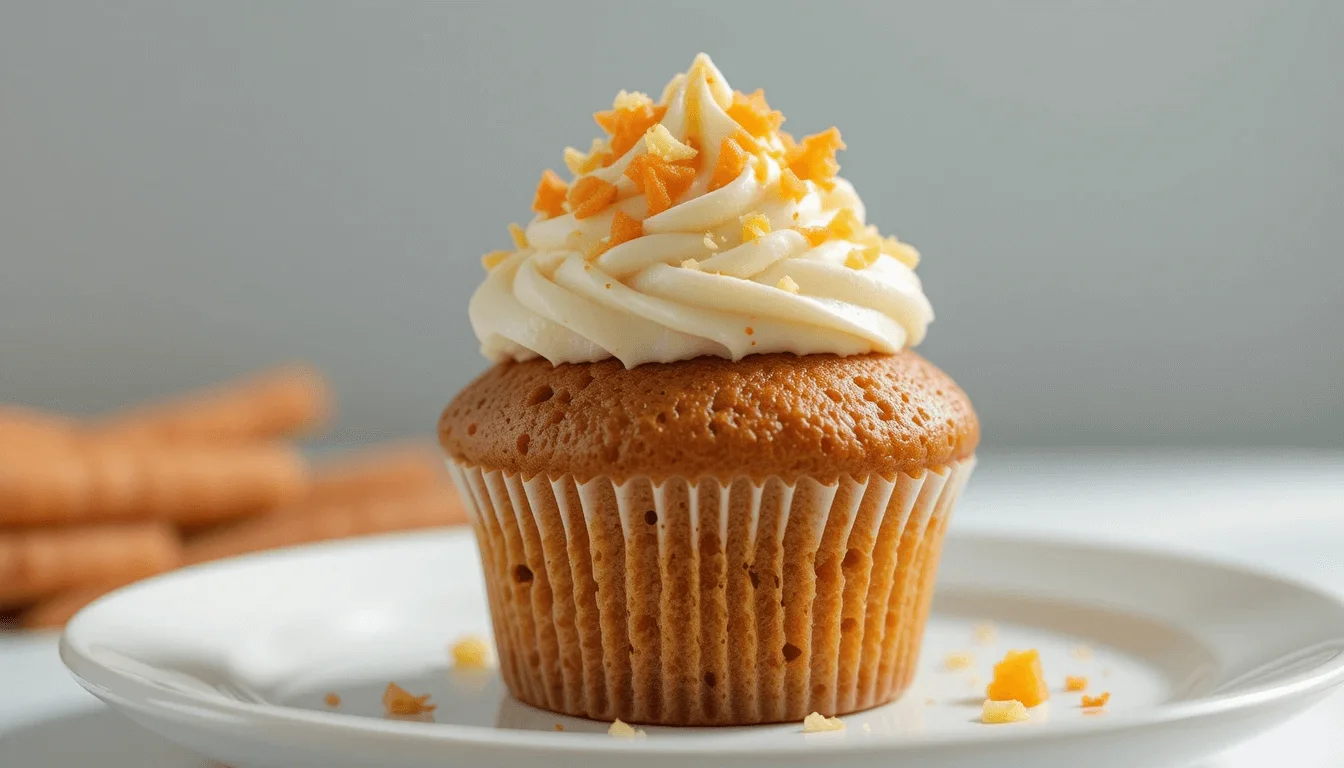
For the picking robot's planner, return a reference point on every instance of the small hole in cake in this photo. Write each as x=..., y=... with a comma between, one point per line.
x=791, y=652
x=597, y=557
x=755, y=579
x=651, y=517
x=522, y=442
x=563, y=397
x=471, y=428
x=905, y=397
x=540, y=394
x=833, y=393
x=853, y=559
x=585, y=378
x=710, y=679
x=849, y=625
x=661, y=418
x=522, y=574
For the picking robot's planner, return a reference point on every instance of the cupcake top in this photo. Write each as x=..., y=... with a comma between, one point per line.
x=765, y=416
x=697, y=227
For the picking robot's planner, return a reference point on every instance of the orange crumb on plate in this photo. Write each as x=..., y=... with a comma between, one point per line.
x=559, y=727
x=1019, y=677
x=985, y=633
x=1072, y=683
x=399, y=701
x=332, y=700
x=1096, y=702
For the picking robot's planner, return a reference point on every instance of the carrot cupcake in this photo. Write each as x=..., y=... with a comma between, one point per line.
x=708, y=478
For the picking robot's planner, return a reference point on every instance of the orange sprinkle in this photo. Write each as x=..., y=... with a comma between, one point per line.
x=815, y=235
x=550, y=197
x=398, y=701
x=814, y=158
x=754, y=226
x=754, y=115
x=627, y=126
x=519, y=236
x=493, y=259
x=750, y=330
x=845, y=225
x=1096, y=702
x=662, y=183
x=791, y=187
x=332, y=700
x=590, y=196
x=732, y=159
x=624, y=228
x=1072, y=683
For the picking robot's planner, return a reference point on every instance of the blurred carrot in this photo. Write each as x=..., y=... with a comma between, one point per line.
x=277, y=403
x=36, y=563
x=103, y=481
x=304, y=524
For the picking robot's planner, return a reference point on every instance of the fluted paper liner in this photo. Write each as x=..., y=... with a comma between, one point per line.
x=705, y=603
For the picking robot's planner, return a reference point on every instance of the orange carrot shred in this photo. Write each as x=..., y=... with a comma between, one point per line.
x=732, y=159
x=590, y=196
x=814, y=158
x=550, y=196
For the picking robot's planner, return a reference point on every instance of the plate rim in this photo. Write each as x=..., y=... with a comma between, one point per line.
x=128, y=691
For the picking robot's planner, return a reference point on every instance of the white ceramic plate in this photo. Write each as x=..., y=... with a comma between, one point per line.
x=233, y=660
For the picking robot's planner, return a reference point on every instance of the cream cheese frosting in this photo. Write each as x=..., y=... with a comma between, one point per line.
x=698, y=227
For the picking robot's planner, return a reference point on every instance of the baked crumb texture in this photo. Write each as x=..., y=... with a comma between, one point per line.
x=777, y=415
x=819, y=723
x=1019, y=677
x=997, y=712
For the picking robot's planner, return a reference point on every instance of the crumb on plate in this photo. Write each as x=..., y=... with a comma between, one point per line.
x=956, y=661
x=332, y=699
x=1082, y=651
x=1096, y=702
x=559, y=727
x=399, y=701
x=1019, y=677
x=985, y=633
x=995, y=712
x=1072, y=683
x=471, y=653
x=623, y=730
x=817, y=723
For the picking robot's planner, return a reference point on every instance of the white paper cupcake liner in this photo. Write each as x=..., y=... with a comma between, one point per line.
x=708, y=603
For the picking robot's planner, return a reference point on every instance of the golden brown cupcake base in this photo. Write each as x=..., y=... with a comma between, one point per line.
x=709, y=603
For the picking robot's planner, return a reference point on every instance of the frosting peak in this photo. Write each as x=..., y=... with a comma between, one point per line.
x=698, y=227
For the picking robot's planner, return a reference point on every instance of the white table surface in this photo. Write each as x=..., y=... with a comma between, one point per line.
x=1280, y=512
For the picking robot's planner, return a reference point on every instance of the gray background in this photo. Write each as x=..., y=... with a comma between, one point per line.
x=1132, y=214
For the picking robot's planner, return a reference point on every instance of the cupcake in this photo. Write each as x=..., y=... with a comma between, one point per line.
x=708, y=479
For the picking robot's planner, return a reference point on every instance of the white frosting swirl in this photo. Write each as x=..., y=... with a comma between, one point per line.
x=638, y=303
